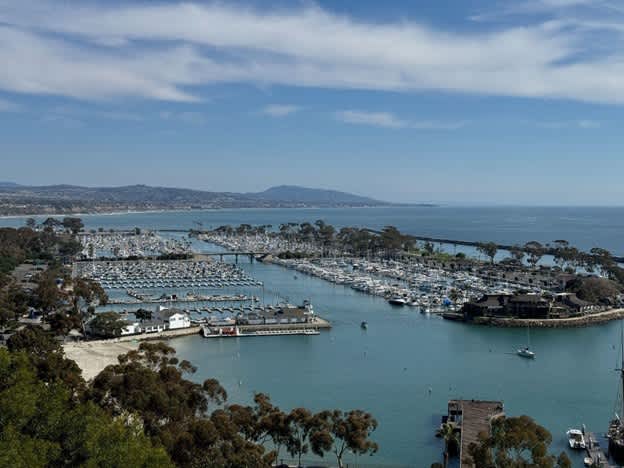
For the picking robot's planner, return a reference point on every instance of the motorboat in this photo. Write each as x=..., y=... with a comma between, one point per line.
x=576, y=439
x=364, y=325
x=397, y=301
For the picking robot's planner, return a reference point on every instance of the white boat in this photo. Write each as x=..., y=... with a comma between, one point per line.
x=526, y=351
x=235, y=332
x=397, y=300
x=576, y=439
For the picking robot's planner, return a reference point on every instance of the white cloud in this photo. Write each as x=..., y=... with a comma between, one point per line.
x=389, y=120
x=165, y=50
x=280, y=110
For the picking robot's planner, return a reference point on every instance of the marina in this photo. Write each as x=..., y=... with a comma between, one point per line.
x=125, y=244
x=150, y=274
x=402, y=364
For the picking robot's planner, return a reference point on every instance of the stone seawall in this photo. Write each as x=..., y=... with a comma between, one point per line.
x=584, y=321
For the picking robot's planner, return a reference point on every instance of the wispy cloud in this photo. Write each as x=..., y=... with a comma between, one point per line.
x=165, y=51
x=280, y=110
x=389, y=120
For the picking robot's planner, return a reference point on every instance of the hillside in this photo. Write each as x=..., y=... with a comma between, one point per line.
x=20, y=199
x=297, y=194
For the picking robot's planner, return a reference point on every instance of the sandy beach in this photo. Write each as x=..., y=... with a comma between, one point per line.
x=92, y=357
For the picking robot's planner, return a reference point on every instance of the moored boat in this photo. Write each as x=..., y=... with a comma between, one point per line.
x=576, y=439
x=235, y=332
x=397, y=301
x=526, y=353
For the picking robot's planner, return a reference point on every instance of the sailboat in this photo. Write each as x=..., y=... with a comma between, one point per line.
x=526, y=351
x=616, y=427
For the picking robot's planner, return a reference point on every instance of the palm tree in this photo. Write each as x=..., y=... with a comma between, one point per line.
x=451, y=441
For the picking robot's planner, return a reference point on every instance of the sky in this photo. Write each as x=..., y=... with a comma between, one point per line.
x=487, y=101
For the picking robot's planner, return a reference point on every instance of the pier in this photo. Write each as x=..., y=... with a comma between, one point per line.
x=470, y=418
x=595, y=452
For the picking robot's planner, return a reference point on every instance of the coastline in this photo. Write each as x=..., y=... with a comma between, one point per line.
x=93, y=356
x=189, y=210
x=598, y=318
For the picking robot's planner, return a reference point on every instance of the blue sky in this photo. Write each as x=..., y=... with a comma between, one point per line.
x=487, y=101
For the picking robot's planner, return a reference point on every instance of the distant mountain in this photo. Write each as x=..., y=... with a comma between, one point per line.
x=295, y=194
x=21, y=199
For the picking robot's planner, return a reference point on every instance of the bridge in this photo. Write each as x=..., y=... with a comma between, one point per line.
x=251, y=255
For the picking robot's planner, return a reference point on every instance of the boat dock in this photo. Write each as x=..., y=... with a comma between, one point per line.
x=595, y=452
x=470, y=418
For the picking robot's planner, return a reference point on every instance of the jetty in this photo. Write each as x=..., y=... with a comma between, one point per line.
x=471, y=418
x=595, y=452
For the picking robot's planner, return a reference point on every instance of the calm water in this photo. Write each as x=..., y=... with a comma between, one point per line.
x=584, y=227
x=389, y=368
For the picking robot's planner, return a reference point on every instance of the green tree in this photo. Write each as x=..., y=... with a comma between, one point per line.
x=48, y=296
x=301, y=422
x=107, y=324
x=90, y=293
x=341, y=432
x=143, y=314
x=74, y=225
x=272, y=422
x=535, y=250
x=488, y=249
x=515, y=443
x=45, y=423
x=451, y=441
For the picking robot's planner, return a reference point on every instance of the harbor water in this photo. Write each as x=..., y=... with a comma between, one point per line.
x=406, y=365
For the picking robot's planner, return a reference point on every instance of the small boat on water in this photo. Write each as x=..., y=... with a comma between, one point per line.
x=364, y=325
x=397, y=301
x=526, y=351
x=576, y=439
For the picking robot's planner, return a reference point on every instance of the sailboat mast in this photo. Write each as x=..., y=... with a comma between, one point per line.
x=622, y=365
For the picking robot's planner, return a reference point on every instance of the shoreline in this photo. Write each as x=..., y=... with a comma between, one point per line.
x=599, y=318
x=188, y=210
x=94, y=356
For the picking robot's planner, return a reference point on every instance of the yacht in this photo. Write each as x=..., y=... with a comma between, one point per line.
x=576, y=439
x=397, y=301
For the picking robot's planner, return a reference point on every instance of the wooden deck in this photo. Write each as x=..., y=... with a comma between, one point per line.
x=595, y=452
x=473, y=417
